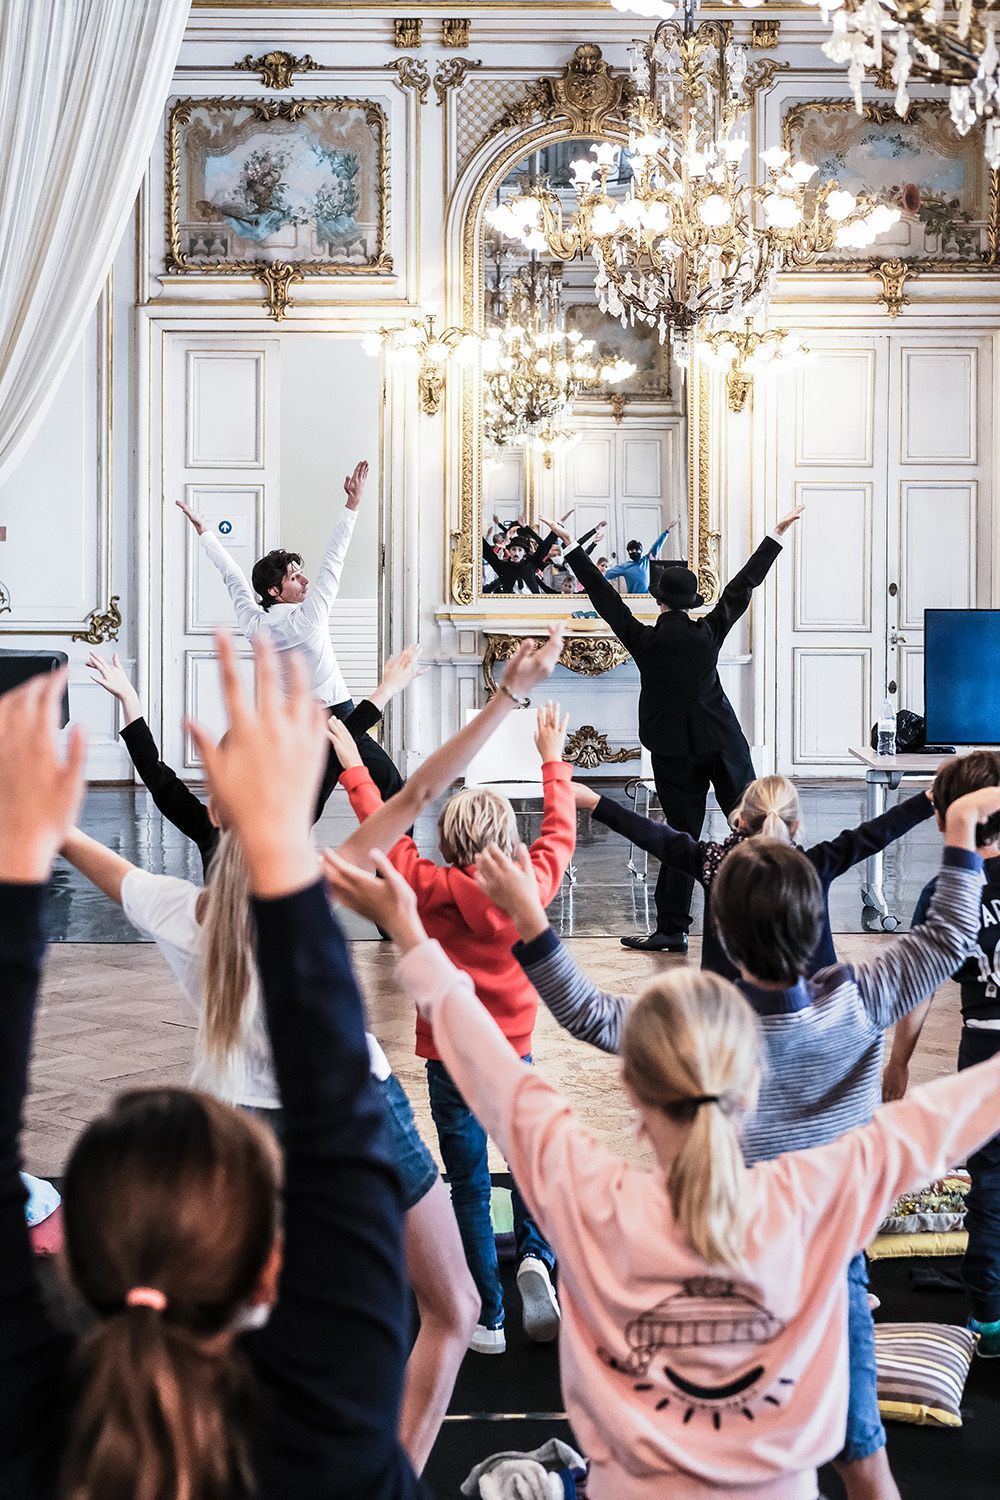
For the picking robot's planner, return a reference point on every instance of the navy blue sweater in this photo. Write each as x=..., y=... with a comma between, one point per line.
x=329, y=1365
x=700, y=859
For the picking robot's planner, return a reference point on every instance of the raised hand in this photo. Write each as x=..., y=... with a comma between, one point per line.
x=550, y=735
x=343, y=742
x=511, y=885
x=41, y=779
x=385, y=899
x=789, y=520
x=397, y=674
x=354, y=485
x=584, y=796
x=265, y=772
x=531, y=663
x=112, y=676
x=559, y=530
x=192, y=516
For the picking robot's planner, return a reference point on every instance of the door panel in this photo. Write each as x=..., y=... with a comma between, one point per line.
x=832, y=547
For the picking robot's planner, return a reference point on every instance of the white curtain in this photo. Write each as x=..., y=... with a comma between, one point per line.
x=82, y=89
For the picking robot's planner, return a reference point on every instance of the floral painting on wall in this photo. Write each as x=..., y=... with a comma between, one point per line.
x=940, y=182
x=303, y=182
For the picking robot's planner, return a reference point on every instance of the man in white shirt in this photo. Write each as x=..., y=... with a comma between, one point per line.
x=296, y=616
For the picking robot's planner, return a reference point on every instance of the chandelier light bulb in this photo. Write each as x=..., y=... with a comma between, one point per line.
x=839, y=204
x=882, y=218
x=605, y=154
x=467, y=349
x=715, y=210
x=646, y=145
x=802, y=171
x=534, y=240
x=410, y=337
x=660, y=9
x=782, y=213
x=605, y=220
x=372, y=344
x=774, y=158
x=406, y=354
x=525, y=211
x=734, y=148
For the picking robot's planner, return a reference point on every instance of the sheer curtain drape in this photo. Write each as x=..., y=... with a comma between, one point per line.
x=82, y=89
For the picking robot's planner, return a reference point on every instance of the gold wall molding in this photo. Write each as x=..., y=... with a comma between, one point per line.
x=455, y=31
x=411, y=73
x=588, y=95
x=893, y=276
x=451, y=75
x=407, y=33
x=587, y=748
x=277, y=69
x=102, y=626
x=764, y=34
x=586, y=655
x=4, y=600
x=277, y=276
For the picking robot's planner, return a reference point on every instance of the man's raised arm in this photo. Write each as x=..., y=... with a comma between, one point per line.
x=735, y=598
x=248, y=612
x=326, y=585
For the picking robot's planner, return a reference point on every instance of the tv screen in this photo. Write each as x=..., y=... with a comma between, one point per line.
x=962, y=676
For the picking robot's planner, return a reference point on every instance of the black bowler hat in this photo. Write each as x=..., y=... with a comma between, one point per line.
x=675, y=585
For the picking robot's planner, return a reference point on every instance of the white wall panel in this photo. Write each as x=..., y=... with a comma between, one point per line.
x=835, y=408
x=939, y=406
x=830, y=697
x=911, y=678
x=832, y=547
x=235, y=514
x=592, y=468
x=224, y=398
x=642, y=470
x=203, y=698
x=937, y=546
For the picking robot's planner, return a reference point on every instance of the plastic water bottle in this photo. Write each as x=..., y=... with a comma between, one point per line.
x=887, y=729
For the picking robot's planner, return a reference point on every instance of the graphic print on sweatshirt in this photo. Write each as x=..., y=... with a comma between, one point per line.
x=707, y=1313
x=985, y=954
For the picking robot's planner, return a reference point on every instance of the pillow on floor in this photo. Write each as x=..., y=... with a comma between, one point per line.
x=922, y=1369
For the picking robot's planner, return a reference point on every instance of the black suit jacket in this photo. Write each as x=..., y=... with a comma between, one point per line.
x=682, y=708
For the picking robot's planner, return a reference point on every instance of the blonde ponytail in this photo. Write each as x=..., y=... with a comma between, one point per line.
x=228, y=962
x=770, y=807
x=691, y=1048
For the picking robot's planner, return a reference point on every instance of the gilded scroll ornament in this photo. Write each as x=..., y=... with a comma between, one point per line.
x=764, y=34
x=103, y=627
x=411, y=73
x=407, y=33
x=277, y=69
x=710, y=568
x=451, y=75
x=587, y=748
x=4, y=600
x=277, y=276
x=893, y=274
x=587, y=96
x=587, y=656
x=455, y=32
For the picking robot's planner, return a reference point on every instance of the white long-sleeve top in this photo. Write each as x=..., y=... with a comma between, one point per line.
x=304, y=627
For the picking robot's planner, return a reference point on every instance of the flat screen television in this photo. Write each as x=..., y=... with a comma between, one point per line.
x=962, y=676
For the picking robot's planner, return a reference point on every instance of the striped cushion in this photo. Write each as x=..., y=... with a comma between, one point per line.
x=922, y=1369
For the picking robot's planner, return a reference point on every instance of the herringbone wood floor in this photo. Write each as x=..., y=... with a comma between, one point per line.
x=112, y=1018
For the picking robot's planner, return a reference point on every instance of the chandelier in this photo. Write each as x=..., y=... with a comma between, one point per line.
x=953, y=43
x=688, y=238
x=533, y=367
x=745, y=350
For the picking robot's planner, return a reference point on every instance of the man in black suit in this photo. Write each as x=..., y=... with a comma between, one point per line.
x=685, y=719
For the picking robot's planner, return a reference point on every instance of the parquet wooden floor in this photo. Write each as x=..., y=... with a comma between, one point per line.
x=112, y=1018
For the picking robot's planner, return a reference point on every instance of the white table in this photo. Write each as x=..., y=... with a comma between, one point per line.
x=883, y=772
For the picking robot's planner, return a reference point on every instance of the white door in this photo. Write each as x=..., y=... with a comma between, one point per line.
x=888, y=452
x=630, y=475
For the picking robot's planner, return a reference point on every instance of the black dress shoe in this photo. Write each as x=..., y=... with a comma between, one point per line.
x=658, y=942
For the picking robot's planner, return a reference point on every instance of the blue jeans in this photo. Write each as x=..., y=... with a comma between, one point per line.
x=865, y=1434
x=464, y=1152
x=981, y=1266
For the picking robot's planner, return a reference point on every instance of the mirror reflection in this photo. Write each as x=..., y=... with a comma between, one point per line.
x=584, y=421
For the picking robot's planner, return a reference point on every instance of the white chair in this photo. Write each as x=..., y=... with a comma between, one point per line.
x=509, y=763
x=642, y=793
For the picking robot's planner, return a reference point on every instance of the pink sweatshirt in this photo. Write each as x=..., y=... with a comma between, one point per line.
x=681, y=1378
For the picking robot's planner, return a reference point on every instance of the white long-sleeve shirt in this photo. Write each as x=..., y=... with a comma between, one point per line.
x=304, y=627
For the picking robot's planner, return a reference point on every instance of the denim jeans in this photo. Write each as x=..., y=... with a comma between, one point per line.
x=464, y=1152
x=981, y=1266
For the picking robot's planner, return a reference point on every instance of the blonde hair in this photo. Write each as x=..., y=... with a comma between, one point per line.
x=691, y=1038
x=473, y=819
x=228, y=955
x=770, y=806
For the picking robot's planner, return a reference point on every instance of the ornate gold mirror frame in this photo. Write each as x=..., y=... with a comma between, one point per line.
x=585, y=101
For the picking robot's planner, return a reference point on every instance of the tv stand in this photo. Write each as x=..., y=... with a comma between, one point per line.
x=882, y=773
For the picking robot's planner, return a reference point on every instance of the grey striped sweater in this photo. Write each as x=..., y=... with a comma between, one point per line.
x=822, y=1037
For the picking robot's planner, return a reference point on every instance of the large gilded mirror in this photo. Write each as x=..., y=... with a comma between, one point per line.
x=572, y=416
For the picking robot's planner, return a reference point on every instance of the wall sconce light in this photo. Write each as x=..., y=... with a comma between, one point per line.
x=420, y=346
x=745, y=352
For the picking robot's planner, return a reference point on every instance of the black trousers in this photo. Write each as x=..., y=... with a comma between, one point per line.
x=682, y=783
x=981, y=1266
x=381, y=768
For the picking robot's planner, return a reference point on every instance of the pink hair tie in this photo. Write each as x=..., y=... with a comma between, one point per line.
x=146, y=1296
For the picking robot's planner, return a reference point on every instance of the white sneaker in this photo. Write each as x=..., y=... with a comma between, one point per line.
x=538, y=1300
x=488, y=1340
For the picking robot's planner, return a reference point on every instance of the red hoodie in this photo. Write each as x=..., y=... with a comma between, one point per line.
x=474, y=933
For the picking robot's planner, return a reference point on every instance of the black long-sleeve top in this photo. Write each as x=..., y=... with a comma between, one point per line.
x=682, y=708
x=329, y=1365
x=510, y=574
x=178, y=803
x=700, y=858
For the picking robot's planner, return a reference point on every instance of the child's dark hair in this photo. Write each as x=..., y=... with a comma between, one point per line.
x=962, y=774
x=768, y=908
x=269, y=573
x=175, y=1192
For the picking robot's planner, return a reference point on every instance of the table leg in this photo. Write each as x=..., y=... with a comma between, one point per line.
x=872, y=893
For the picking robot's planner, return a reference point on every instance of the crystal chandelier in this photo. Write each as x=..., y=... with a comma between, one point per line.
x=744, y=350
x=691, y=239
x=953, y=43
x=533, y=368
